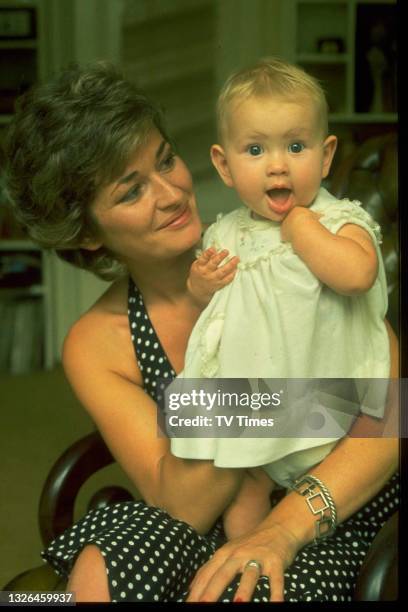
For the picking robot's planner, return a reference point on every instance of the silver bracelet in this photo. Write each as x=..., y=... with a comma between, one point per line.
x=320, y=503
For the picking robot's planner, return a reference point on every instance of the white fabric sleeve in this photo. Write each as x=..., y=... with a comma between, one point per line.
x=351, y=211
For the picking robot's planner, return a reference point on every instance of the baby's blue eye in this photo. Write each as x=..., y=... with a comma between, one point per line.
x=255, y=150
x=296, y=147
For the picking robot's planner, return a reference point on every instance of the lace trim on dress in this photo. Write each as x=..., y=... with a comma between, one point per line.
x=246, y=223
x=345, y=211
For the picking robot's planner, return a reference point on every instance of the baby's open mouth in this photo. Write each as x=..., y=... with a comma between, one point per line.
x=279, y=194
x=280, y=200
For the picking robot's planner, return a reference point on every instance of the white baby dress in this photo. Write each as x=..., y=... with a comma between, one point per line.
x=277, y=320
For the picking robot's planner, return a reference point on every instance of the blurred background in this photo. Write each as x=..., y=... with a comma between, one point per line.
x=180, y=52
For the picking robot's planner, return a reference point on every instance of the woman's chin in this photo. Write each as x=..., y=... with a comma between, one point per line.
x=189, y=238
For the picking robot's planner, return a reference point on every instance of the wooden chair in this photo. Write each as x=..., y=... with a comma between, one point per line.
x=369, y=175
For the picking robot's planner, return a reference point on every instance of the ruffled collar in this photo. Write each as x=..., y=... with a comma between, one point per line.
x=245, y=221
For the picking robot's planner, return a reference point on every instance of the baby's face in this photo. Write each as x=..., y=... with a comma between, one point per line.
x=276, y=154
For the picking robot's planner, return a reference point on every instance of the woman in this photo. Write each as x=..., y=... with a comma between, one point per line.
x=93, y=175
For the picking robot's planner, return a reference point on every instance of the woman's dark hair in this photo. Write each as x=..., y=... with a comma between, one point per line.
x=68, y=139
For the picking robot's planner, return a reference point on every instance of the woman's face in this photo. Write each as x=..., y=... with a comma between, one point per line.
x=149, y=213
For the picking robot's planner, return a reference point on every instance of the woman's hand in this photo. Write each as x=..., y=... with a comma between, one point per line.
x=272, y=547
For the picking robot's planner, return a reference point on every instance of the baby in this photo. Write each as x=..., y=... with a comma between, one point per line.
x=308, y=295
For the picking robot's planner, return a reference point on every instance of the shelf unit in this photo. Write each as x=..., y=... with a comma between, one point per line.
x=332, y=39
x=26, y=341
x=21, y=54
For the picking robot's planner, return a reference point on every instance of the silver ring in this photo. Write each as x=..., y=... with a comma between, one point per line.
x=254, y=563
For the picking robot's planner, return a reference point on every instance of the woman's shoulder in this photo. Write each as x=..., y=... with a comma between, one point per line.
x=101, y=335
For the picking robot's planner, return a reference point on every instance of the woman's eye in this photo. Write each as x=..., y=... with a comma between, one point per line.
x=169, y=161
x=132, y=194
x=296, y=147
x=255, y=150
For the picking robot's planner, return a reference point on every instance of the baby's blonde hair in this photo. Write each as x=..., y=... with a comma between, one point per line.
x=270, y=76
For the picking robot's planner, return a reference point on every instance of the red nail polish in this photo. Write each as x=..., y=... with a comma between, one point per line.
x=238, y=600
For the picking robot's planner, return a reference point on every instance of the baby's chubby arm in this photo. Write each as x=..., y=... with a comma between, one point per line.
x=207, y=275
x=346, y=262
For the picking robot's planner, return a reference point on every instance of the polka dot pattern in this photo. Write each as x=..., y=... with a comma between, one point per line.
x=151, y=557
x=138, y=570
x=151, y=358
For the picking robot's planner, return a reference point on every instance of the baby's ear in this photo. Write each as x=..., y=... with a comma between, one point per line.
x=329, y=149
x=219, y=160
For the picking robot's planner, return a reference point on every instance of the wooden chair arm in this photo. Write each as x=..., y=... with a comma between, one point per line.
x=71, y=470
x=378, y=577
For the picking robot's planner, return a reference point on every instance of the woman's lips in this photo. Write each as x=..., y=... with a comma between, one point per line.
x=177, y=221
x=279, y=200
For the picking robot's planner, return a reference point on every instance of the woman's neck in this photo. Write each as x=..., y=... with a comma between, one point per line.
x=163, y=280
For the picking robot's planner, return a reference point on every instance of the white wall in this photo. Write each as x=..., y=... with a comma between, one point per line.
x=74, y=291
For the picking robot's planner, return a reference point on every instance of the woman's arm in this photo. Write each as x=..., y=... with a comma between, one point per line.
x=290, y=525
x=346, y=262
x=100, y=365
x=377, y=460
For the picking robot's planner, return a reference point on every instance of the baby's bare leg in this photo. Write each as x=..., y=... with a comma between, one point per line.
x=251, y=505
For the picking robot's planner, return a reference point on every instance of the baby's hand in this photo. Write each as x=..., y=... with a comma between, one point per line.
x=207, y=275
x=295, y=221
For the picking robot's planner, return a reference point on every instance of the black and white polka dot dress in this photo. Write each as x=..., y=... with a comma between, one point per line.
x=152, y=557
